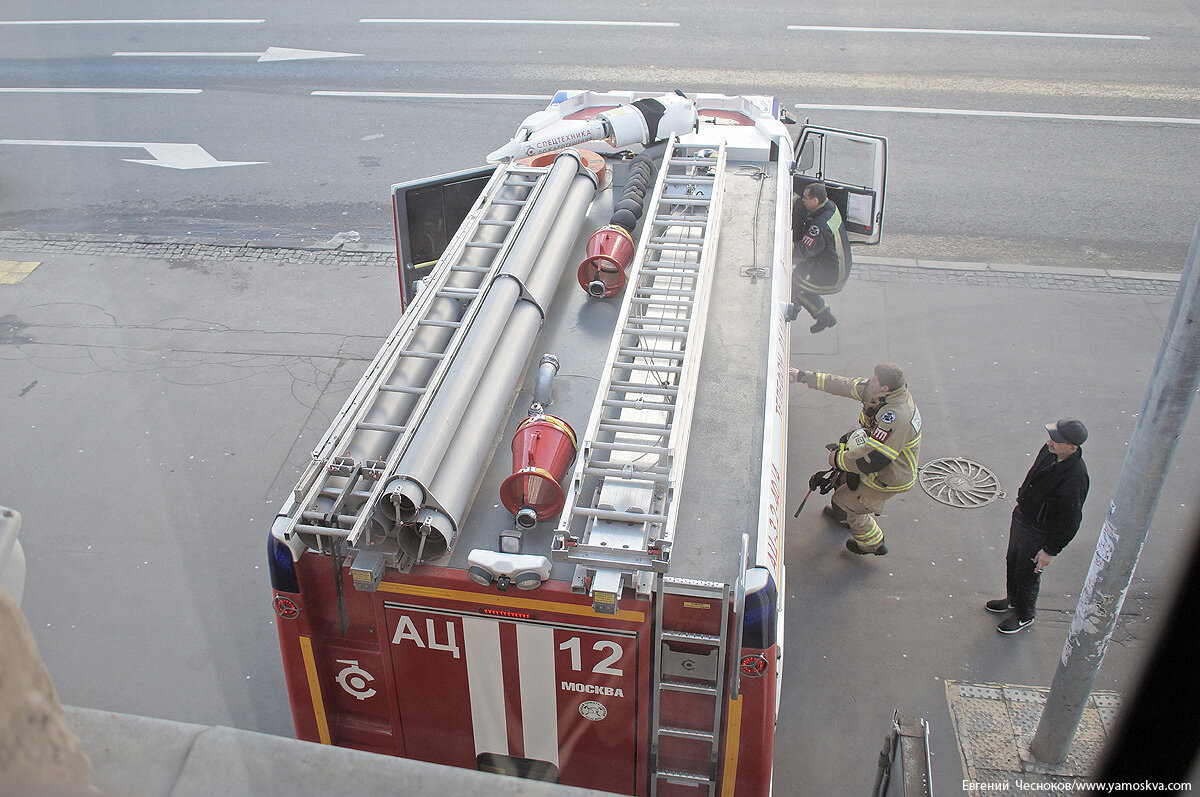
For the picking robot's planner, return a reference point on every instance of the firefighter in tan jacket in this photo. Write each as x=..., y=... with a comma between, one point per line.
x=876, y=460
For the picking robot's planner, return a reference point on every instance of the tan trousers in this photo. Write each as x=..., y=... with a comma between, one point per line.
x=861, y=506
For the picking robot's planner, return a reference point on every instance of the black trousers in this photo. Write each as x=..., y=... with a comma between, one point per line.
x=1024, y=541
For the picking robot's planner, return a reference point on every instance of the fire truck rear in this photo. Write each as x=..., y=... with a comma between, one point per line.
x=544, y=535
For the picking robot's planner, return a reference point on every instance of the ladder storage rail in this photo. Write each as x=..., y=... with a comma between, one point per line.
x=621, y=507
x=376, y=422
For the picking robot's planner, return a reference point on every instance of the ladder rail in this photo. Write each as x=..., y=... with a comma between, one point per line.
x=715, y=690
x=675, y=354
x=361, y=400
x=453, y=345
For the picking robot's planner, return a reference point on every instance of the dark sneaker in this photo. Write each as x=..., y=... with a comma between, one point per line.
x=791, y=313
x=853, y=547
x=1012, y=624
x=999, y=606
x=824, y=320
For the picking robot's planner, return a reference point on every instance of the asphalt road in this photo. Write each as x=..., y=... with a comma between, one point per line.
x=974, y=173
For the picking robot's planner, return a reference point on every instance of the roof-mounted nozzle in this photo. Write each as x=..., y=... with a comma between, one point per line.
x=643, y=121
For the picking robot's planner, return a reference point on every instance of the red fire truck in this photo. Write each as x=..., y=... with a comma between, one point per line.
x=544, y=534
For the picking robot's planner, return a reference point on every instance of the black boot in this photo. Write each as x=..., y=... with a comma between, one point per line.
x=853, y=547
x=823, y=320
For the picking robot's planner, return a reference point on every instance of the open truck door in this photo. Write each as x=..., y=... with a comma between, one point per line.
x=853, y=167
x=426, y=214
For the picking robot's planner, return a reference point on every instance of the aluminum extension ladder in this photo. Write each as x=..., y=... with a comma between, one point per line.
x=336, y=493
x=621, y=506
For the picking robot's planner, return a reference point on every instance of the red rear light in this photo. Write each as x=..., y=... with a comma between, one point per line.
x=506, y=613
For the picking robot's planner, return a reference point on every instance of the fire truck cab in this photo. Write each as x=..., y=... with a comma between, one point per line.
x=544, y=535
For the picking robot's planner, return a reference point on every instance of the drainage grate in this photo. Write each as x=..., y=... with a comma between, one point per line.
x=960, y=482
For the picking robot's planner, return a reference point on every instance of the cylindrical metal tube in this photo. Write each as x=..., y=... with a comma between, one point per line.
x=466, y=456
x=421, y=460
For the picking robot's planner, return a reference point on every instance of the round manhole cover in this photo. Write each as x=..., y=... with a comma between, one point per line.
x=959, y=482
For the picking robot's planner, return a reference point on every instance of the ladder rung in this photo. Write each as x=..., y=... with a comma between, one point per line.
x=424, y=355
x=623, y=429
x=684, y=179
x=690, y=638
x=497, y=222
x=681, y=686
x=654, y=354
x=632, y=448
x=652, y=302
x=686, y=271
x=619, y=468
x=652, y=292
x=326, y=530
x=617, y=473
x=669, y=265
x=678, y=323
x=333, y=492
x=634, y=426
x=512, y=202
x=415, y=391
x=670, y=369
x=688, y=160
x=472, y=269
x=484, y=245
x=687, y=201
x=621, y=517
x=519, y=183
x=653, y=390
x=425, y=322
x=345, y=519
x=640, y=405
x=682, y=247
x=685, y=733
x=458, y=293
x=680, y=221
x=380, y=427
x=672, y=774
x=655, y=333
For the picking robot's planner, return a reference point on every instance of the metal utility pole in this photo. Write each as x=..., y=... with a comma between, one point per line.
x=1152, y=446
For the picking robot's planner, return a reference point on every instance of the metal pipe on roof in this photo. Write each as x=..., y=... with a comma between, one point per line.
x=467, y=454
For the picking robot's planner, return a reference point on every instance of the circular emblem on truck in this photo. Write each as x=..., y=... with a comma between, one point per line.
x=286, y=608
x=753, y=666
x=591, y=710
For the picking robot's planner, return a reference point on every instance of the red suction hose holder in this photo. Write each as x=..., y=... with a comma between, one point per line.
x=609, y=253
x=543, y=447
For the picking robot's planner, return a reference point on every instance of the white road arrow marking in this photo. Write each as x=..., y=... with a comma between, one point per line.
x=167, y=155
x=271, y=54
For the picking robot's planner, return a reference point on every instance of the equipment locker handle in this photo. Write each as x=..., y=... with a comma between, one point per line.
x=739, y=608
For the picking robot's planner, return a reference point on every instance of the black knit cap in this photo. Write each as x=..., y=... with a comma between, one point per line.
x=1067, y=430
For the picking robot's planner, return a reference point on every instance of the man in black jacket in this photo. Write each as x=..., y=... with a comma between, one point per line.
x=820, y=255
x=1046, y=518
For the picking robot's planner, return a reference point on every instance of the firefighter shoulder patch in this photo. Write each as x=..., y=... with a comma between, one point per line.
x=880, y=434
x=888, y=416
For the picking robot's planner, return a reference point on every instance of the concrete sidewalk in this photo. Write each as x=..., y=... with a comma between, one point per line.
x=161, y=397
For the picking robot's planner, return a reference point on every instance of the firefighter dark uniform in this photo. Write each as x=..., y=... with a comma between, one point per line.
x=878, y=462
x=820, y=259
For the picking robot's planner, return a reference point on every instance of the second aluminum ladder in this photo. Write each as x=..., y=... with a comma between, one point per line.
x=621, y=507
